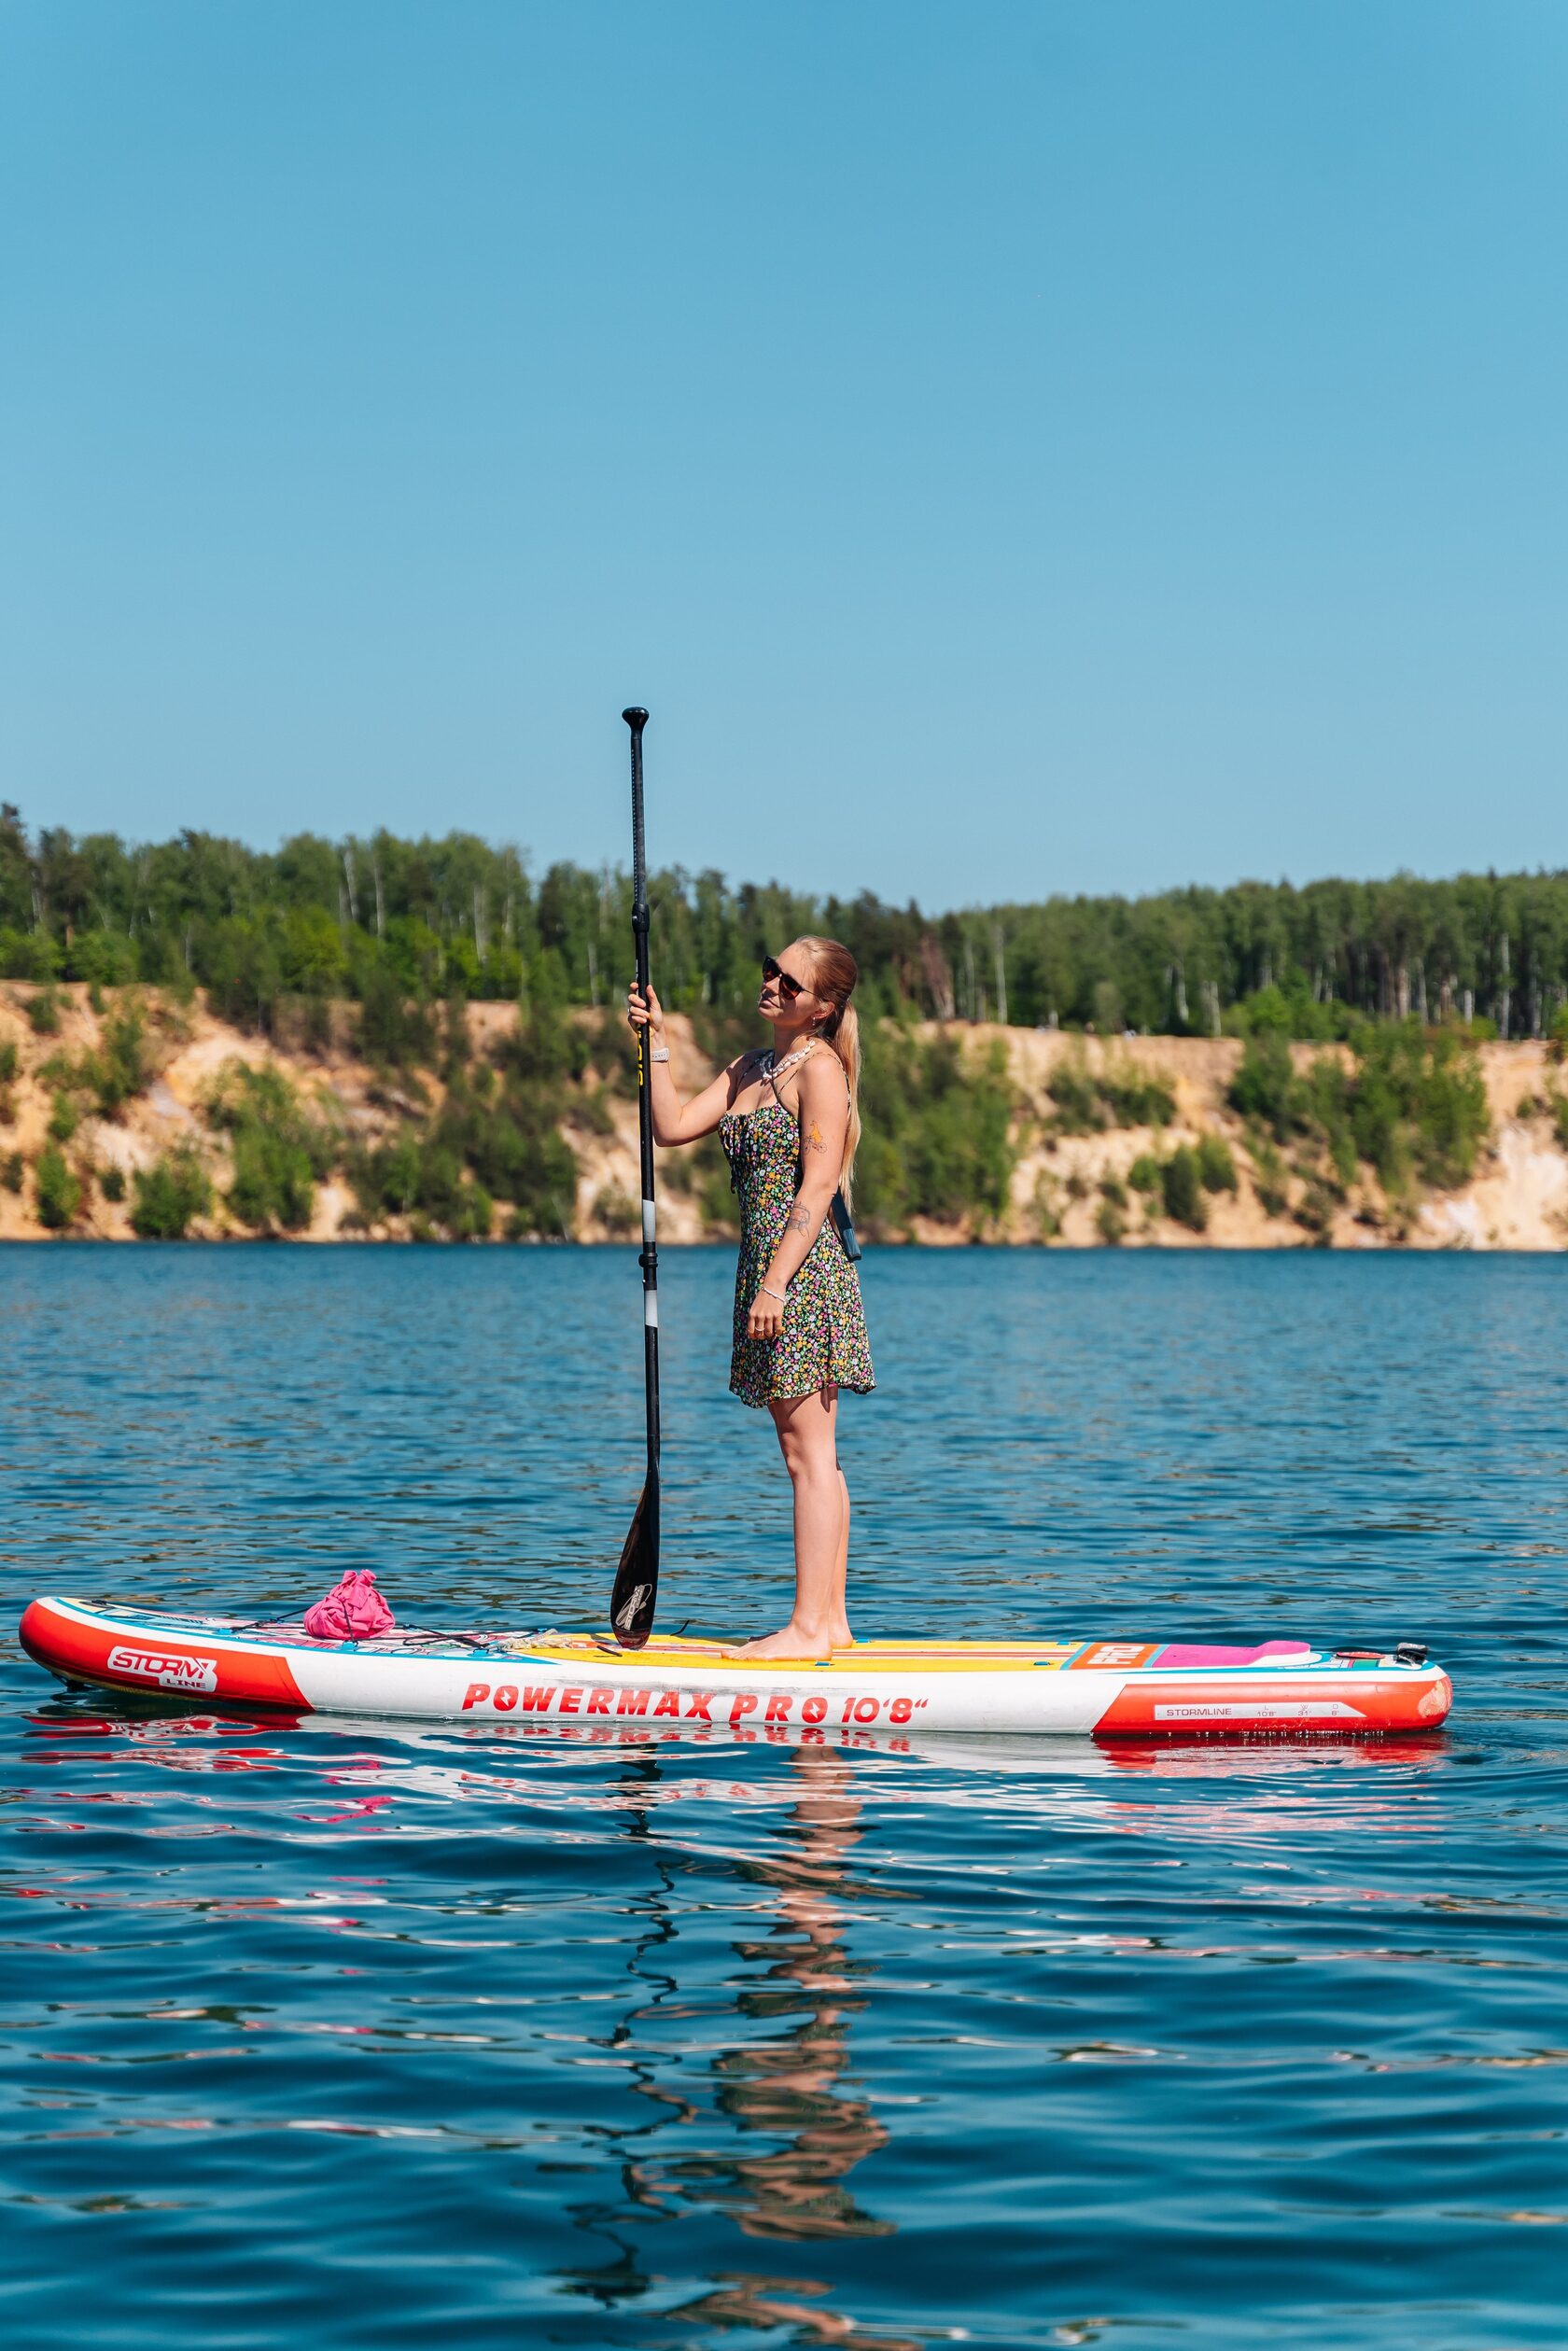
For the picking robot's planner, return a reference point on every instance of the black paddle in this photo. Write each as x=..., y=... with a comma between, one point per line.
x=636, y=1578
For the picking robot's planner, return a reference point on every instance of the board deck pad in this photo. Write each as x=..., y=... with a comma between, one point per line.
x=916, y=1657
x=1108, y=1687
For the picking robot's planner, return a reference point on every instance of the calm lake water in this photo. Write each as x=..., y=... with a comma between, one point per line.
x=348, y=2033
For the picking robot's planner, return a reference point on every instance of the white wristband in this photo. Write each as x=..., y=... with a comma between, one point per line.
x=660, y=1053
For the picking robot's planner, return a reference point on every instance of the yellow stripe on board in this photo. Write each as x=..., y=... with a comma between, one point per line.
x=666, y=1652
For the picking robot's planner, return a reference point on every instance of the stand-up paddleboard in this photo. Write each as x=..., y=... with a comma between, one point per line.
x=1110, y=1688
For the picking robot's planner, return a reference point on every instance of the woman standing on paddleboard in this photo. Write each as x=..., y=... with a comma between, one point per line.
x=788, y=1120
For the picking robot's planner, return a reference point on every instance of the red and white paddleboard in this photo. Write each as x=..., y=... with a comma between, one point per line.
x=1138, y=1689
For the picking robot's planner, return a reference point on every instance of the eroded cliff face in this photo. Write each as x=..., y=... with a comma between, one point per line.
x=60, y=1118
x=1516, y=1197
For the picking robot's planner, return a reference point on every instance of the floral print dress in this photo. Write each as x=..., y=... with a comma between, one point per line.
x=823, y=1340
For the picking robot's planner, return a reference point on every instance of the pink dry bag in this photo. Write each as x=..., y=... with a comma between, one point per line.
x=352, y=1610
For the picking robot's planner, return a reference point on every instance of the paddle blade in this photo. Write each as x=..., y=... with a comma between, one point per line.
x=636, y=1579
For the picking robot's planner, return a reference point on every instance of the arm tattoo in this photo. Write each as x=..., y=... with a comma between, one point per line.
x=798, y=1221
x=814, y=1139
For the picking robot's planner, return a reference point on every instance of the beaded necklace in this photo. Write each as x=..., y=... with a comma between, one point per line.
x=771, y=1070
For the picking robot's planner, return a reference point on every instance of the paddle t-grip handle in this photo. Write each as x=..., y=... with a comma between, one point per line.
x=637, y=720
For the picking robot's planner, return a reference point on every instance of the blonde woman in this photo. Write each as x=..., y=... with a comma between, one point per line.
x=786, y=1118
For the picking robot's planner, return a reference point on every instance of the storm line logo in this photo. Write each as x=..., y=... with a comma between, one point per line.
x=169, y=1672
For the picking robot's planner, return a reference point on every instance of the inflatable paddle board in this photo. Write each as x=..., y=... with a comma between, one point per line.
x=1137, y=1690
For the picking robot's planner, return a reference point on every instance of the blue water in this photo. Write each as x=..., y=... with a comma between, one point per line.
x=349, y=2033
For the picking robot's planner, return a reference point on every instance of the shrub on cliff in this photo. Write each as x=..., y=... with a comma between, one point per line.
x=615, y=1052
x=445, y=1195
x=1216, y=1168
x=1418, y=1099
x=1134, y=1098
x=1180, y=1183
x=106, y=1076
x=505, y=1133
x=1087, y=1102
x=938, y=1138
x=470, y=1216
x=533, y=1171
x=546, y=1045
x=1078, y=1110
x=1266, y=1087
x=43, y=1011
x=1412, y=1102
x=56, y=1190
x=273, y=1185
x=280, y=1149
x=119, y=1070
x=167, y=1197
x=1314, y=1212
x=616, y=1210
x=423, y=1178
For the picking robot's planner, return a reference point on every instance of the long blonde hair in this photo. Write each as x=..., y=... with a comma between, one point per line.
x=833, y=973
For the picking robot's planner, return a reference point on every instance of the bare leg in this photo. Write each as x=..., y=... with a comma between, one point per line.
x=807, y=1431
x=843, y=1636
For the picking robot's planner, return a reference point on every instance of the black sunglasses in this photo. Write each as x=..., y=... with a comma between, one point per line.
x=787, y=989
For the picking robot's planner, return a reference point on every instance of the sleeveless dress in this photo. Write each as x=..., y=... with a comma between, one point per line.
x=823, y=1341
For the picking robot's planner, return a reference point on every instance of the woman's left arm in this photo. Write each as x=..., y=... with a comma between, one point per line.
x=823, y=1111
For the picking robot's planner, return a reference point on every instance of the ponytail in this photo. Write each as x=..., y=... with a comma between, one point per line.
x=835, y=971
x=845, y=1041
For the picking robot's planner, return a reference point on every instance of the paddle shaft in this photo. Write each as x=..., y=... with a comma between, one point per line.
x=636, y=1592
x=649, y=1259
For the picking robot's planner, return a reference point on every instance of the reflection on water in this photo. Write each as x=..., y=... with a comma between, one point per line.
x=794, y=2085
x=799, y=2126
x=475, y=2033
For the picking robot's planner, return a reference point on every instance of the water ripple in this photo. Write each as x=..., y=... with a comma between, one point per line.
x=391, y=2034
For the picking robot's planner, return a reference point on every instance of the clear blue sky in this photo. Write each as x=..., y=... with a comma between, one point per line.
x=1010, y=448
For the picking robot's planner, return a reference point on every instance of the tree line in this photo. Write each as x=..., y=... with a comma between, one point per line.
x=394, y=922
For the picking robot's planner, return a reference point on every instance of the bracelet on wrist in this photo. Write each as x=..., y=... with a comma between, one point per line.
x=660, y=1053
x=769, y=1292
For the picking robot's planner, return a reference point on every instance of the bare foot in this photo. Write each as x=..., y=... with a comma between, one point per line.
x=792, y=1642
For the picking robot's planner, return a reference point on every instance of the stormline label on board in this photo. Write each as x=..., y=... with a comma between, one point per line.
x=158, y=1665
x=1281, y=1709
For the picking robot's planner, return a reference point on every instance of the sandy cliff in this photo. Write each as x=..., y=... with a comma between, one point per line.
x=1518, y=1198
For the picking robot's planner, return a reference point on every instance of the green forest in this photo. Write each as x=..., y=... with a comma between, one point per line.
x=393, y=924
